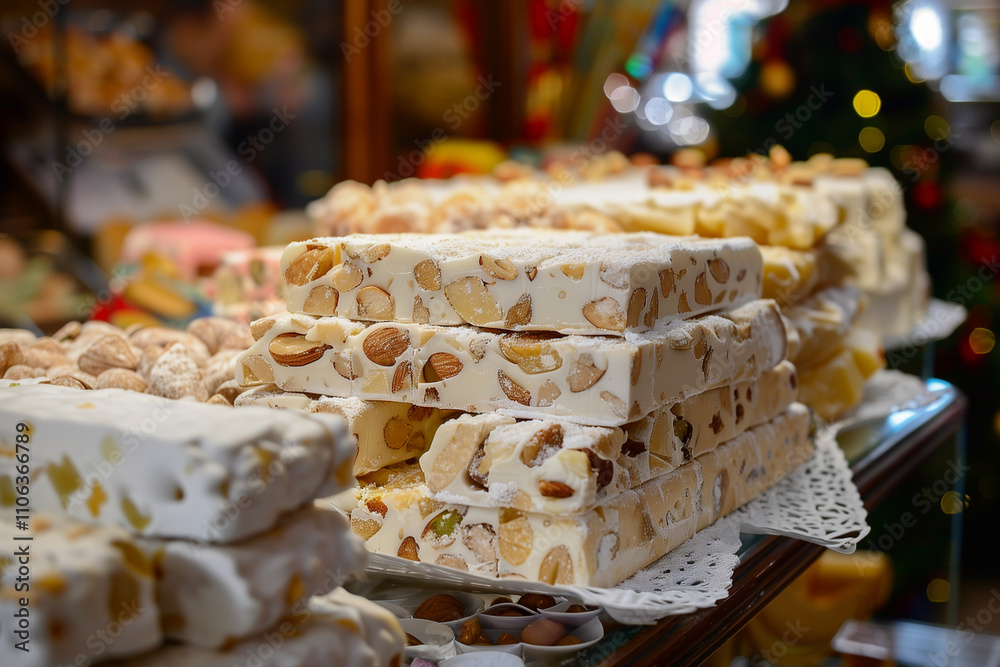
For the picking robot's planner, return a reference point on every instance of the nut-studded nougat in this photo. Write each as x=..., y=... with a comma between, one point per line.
x=595, y=380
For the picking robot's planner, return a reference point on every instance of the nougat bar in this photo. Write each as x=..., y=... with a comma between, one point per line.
x=537, y=465
x=84, y=592
x=387, y=432
x=491, y=460
x=337, y=629
x=736, y=471
x=168, y=468
x=819, y=325
x=396, y=515
x=522, y=281
x=596, y=380
x=838, y=383
x=212, y=595
x=699, y=424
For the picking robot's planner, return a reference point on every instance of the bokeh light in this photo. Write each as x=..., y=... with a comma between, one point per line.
x=938, y=590
x=777, y=78
x=871, y=139
x=867, y=103
x=952, y=503
x=678, y=87
x=937, y=128
x=614, y=82
x=625, y=99
x=981, y=340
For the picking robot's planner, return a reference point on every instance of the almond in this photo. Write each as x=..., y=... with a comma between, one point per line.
x=409, y=550
x=574, y=271
x=308, y=266
x=636, y=303
x=654, y=311
x=260, y=327
x=321, y=300
x=615, y=276
x=548, y=393
x=377, y=506
x=519, y=314
x=108, y=351
x=68, y=331
x=702, y=293
x=346, y=277
x=428, y=275
x=513, y=391
x=384, y=345
x=175, y=375
x=375, y=253
x=22, y=372
x=403, y=377
x=471, y=299
x=67, y=381
x=146, y=360
x=531, y=352
x=719, y=269
x=374, y=303
x=396, y=433
x=452, y=560
x=255, y=370
x=10, y=355
x=551, y=489
x=343, y=364
x=120, y=378
x=618, y=405
x=531, y=272
x=501, y=269
x=292, y=349
x=583, y=373
x=441, y=366
x=605, y=313
x=421, y=313
x=514, y=536
x=666, y=282
x=556, y=567
x=441, y=608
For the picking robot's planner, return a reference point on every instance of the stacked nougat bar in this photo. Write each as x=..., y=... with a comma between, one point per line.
x=154, y=520
x=607, y=396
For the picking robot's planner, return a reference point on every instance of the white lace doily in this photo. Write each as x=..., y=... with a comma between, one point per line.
x=818, y=502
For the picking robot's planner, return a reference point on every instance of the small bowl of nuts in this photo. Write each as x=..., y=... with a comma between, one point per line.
x=452, y=609
x=507, y=616
x=538, y=601
x=472, y=638
x=547, y=640
x=427, y=639
x=570, y=614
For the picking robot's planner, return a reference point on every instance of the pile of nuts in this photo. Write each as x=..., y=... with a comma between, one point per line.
x=198, y=362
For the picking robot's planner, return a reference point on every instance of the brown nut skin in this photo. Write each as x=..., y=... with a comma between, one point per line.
x=536, y=601
x=472, y=633
x=441, y=608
